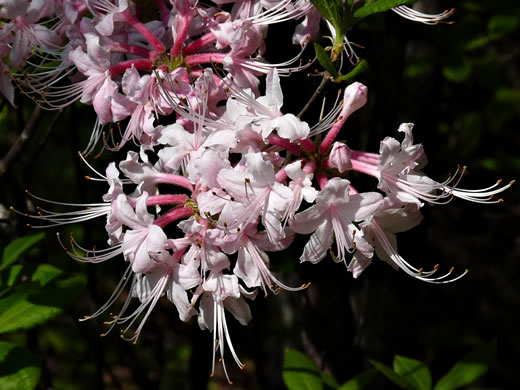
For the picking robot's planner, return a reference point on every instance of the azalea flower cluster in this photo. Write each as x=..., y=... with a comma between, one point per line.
x=220, y=176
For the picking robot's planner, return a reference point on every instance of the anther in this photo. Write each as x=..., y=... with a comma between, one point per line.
x=452, y=269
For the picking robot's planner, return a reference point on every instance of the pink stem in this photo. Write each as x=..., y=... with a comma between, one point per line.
x=366, y=168
x=166, y=199
x=164, y=10
x=81, y=8
x=139, y=26
x=182, y=32
x=281, y=176
x=332, y=134
x=310, y=167
x=322, y=180
x=177, y=180
x=117, y=47
x=275, y=139
x=326, y=164
x=162, y=7
x=173, y=215
x=198, y=44
x=307, y=145
x=122, y=66
x=205, y=58
x=370, y=158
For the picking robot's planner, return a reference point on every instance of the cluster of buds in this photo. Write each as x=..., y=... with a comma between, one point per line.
x=236, y=176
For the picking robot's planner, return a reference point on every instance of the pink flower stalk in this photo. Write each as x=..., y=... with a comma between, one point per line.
x=355, y=98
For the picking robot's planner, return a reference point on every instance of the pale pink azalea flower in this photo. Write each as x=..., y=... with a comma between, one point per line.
x=301, y=186
x=98, y=88
x=28, y=32
x=173, y=279
x=263, y=114
x=380, y=232
x=308, y=29
x=143, y=239
x=332, y=216
x=219, y=293
x=397, y=169
x=202, y=249
x=255, y=193
x=252, y=265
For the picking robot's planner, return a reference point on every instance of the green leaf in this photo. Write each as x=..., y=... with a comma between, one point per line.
x=300, y=372
x=17, y=247
x=361, y=67
x=400, y=381
x=414, y=371
x=329, y=380
x=324, y=60
x=32, y=304
x=332, y=10
x=469, y=369
x=11, y=275
x=377, y=6
x=19, y=368
x=44, y=273
x=501, y=25
x=359, y=381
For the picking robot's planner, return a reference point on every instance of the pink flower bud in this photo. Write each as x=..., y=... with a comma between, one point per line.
x=340, y=157
x=355, y=98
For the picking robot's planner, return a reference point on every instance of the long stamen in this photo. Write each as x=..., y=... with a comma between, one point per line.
x=416, y=16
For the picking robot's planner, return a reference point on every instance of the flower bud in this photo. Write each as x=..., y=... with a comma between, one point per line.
x=355, y=98
x=340, y=157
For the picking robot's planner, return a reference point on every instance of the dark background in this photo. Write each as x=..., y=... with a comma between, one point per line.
x=460, y=85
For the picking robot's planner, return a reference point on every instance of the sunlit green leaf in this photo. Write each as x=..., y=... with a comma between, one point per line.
x=359, y=381
x=44, y=273
x=414, y=371
x=469, y=369
x=300, y=372
x=324, y=59
x=19, y=369
x=377, y=6
x=360, y=68
x=17, y=247
x=400, y=381
x=332, y=10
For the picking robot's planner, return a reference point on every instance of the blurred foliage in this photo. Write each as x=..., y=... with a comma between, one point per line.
x=459, y=84
x=301, y=373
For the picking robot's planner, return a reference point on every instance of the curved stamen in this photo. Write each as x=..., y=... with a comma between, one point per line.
x=405, y=266
x=416, y=16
